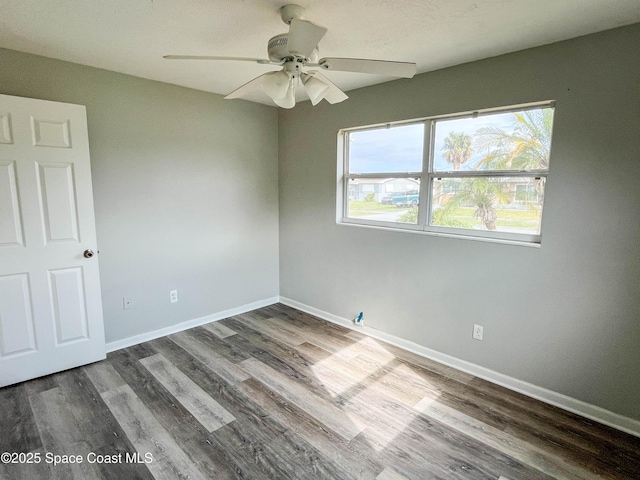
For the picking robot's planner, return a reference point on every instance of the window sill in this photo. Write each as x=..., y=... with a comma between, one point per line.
x=521, y=243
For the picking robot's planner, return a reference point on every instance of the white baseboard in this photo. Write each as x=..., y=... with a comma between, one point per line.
x=163, y=332
x=565, y=402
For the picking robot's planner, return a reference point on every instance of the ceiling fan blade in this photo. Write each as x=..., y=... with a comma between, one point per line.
x=250, y=86
x=334, y=95
x=304, y=37
x=209, y=57
x=376, y=67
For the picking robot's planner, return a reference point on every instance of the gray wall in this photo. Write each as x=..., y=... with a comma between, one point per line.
x=566, y=316
x=185, y=187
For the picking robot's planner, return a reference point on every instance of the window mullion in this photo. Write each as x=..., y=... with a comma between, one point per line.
x=425, y=187
x=345, y=176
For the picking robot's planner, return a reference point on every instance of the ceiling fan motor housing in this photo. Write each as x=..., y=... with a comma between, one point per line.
x=278, y=49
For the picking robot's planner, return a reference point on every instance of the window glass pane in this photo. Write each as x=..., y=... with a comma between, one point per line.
x=384, y=199
x=386, y=150
x=501, y=141
x=502, y=204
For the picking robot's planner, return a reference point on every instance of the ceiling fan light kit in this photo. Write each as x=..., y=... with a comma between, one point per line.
x=276, y=84
x=297, y=53
x=316, y=89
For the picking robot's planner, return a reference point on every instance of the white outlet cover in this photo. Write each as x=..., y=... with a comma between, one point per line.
x=477, y=332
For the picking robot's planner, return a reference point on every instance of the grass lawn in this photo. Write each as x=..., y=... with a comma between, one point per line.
x=530, y=214
x=359, y=209
x=526, y=219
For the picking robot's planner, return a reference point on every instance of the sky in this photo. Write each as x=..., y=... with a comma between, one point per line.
x=400, y=148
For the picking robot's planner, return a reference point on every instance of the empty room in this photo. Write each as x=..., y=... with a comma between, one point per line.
x=386, y=240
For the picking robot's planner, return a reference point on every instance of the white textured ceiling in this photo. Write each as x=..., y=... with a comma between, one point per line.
x=131, y=36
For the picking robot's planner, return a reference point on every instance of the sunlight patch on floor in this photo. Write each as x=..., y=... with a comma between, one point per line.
x=364, y=375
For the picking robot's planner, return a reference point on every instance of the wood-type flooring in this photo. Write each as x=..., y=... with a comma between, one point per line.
x=279, y=394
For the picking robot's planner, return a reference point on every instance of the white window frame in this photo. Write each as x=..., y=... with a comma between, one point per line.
x=426, y=178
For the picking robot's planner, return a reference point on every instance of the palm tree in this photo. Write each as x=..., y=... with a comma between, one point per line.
x=480, y=192
x=457, y=149
x=526, y=148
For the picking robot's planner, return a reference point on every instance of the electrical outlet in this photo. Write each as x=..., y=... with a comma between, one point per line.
x=173, y=296
x=127, y=303
x=477, y=332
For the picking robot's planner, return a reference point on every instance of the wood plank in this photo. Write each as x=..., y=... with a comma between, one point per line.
x=38, y=385
x=333, y=381
x=360, y=463
x=219, y=345
x=291, y=363
x=311, y=353
x=260, y=313
x=122, y=470
x=553, y=425
x=347, y=379
x=318, y=408
x=103, y=376
x=219, y=330
x=417, y=380
x=375, y=347
x=60, y=434
x=390, y=474
x=30, y=471
x=171, y=414
x=411, y=462
x=255, y=444
x=399, y=435
x=393, y=379
x=259, y=341
x=529, y=454
x=359, y=343
x=280, y=357
x=173, y=417
x=280, y=331
x=208, y=356
x=98, y=426
x=148, y=436
x=18, y=430
x=290, y=314
x=426, y=381
x=337, y=343
x=205, y=409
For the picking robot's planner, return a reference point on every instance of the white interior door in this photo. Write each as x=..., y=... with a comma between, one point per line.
x=50, y=304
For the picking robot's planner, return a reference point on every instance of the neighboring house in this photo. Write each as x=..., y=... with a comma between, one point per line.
x=359, y=188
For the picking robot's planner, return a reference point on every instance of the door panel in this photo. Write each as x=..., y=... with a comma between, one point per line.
x=58, y=205
x=50, y=305
x=16, y=318
x=10, y=221
x=5, y=128
x=69, y=308
x=50, y=133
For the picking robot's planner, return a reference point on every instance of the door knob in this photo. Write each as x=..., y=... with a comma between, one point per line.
x=88, y=253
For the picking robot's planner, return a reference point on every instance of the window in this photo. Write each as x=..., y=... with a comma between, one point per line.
x=481, y=174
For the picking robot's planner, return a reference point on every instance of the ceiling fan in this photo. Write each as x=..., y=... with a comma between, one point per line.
x=297, y=53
